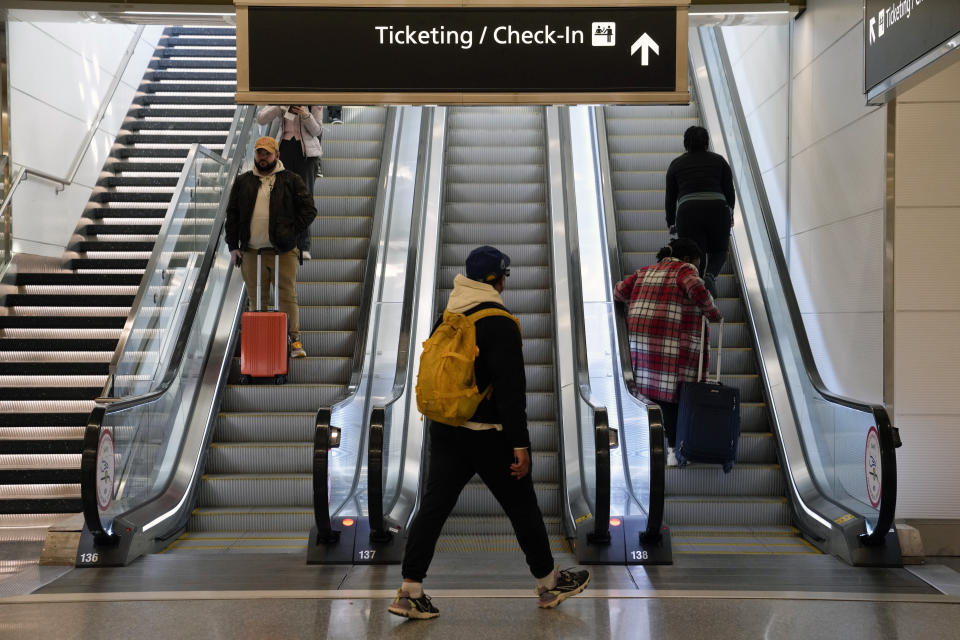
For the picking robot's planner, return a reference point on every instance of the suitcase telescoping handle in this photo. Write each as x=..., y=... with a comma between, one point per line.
x=701, y=374
x=276, y=281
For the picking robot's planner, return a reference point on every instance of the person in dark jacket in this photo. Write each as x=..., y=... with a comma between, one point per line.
x=494, y=443
x=699, y=201
x=269, y=208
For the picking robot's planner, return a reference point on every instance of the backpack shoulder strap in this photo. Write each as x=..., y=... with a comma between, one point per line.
x=492, y=311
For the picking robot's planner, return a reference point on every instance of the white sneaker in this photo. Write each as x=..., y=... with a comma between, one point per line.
x=671, y=457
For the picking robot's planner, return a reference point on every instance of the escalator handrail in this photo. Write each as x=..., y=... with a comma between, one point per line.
x=106, y=405
x=657, y=438
x=375, y=489
x=888, y=434
x=324, y=413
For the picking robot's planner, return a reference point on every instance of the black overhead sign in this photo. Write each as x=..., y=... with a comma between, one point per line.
x=472, y=54
x=898, y=32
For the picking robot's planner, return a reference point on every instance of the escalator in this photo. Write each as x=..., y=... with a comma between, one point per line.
x=62, y=319
x=495, y=193
x=745, y=511
x=257, y=492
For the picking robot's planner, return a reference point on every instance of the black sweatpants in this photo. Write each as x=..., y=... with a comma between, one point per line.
x=456, y=453
x=707, y=222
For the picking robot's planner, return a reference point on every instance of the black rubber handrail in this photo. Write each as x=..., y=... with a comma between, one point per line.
x=325, y=437
x=657, y=437
x=107, y=405
x=378, y=529
x=889, y=435
x=601, y=521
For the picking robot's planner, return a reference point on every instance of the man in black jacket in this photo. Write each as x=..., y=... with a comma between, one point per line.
x=268, y=208
x=494, y=443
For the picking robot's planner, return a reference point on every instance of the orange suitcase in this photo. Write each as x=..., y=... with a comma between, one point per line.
x=263, y=337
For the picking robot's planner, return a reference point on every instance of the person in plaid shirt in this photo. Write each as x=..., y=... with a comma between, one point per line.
x=665, y=303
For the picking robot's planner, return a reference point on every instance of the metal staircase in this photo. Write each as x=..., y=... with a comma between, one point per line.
x=61, y=319
x=496, y=193
x=257, y=493
x=745, y=511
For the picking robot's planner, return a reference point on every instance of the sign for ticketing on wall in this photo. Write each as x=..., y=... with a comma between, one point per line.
x=899, y=32
x=465, y=52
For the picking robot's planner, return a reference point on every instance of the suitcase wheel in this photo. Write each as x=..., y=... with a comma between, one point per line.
x=727, y=467
x=244, y=379
x=280, y=379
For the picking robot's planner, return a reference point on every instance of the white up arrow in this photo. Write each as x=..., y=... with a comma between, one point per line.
x=645, y=43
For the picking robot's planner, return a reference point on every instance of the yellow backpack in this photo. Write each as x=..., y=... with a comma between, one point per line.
x=446, y=384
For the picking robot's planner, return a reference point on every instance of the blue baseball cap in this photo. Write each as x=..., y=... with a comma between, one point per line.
x=486, y=264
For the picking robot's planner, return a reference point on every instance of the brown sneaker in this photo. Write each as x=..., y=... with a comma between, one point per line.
x=296, y=350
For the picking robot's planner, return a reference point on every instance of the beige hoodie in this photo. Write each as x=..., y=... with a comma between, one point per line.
x=469, y=293
x=260, y=222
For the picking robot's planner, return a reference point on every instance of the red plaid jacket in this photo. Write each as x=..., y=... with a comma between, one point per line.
x=665, y=303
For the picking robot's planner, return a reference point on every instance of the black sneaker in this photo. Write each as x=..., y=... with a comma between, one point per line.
x=417, y=608
x=569, y=583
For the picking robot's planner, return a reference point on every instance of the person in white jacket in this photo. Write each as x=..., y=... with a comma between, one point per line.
x=300, y=150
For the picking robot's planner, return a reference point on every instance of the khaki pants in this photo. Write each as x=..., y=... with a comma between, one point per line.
x=289, y=262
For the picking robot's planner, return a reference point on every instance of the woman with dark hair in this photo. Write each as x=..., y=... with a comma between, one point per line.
x=700, y=199
x=665, y=303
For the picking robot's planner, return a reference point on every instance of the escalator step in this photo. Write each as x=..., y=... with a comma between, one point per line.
x=41, y=476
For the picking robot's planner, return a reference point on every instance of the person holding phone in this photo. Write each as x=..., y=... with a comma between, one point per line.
x=300, y=150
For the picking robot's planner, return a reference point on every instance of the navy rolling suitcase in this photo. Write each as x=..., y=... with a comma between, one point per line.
x=708, y=420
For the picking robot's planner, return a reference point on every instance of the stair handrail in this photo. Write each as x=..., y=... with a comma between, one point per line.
x=74, y=168
x=106, y=404
x=888, y=435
